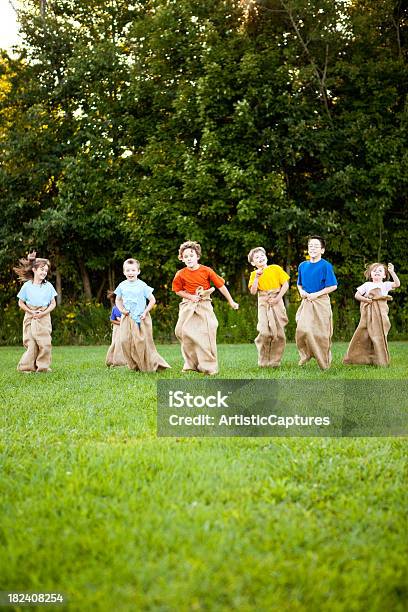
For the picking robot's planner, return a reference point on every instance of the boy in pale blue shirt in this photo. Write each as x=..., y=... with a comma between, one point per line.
x=135, y=299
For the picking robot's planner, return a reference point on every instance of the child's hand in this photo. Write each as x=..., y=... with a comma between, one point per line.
x=234, y=305
x=125, y=313
x=38, y=314
x=259, y=272
x=143, y=316
x=31, y=256
x=275, y=300
x=195, y=298
x=312, y=296
x=303, y=294
x=390, y=267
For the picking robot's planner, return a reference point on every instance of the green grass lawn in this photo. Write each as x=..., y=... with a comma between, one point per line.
x=96, y=507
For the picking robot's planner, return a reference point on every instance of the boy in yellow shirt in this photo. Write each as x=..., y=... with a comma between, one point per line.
x=271, y=284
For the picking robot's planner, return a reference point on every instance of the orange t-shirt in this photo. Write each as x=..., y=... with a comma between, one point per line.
x=190, y=280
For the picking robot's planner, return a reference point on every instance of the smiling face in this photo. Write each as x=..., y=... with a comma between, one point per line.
x=190, y=258
x=131, y=271
x=378, y=274
x=259, y=259
x=40, y=273
x=315, y=249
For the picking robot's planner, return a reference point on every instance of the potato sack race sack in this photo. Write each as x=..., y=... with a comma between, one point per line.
x=369, y=345
x=37, y=341
x=196, y=330
x=314, y=331
x=138, y=346
x=115, y=356
x=272, y=319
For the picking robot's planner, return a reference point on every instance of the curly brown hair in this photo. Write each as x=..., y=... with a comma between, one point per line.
x=190, y=244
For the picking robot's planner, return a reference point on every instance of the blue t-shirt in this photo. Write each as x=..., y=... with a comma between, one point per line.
x=37, y=295
x=316, y=276
x=115, y=314
x=134, y=295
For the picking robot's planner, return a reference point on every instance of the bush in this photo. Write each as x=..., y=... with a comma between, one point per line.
x=88, y=322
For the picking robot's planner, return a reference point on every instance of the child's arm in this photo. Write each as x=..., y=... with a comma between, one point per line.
x=254, y=287
x=228, y=297
x=152, y=301
x=119, y=303
x=115, y=321
x=24, y=306
x=303, y=294
x=325, y=291
x=394, y=277
x=276, y=298
x=41, y=313
x=362, y=298
x=188, y=296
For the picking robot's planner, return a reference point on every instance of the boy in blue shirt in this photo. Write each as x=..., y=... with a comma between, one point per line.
x=135, y=299
x=316, y=279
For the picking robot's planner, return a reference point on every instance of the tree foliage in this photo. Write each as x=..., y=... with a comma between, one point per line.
x=128, y=128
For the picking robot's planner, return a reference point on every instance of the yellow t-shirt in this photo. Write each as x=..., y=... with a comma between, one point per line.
x=272, y=277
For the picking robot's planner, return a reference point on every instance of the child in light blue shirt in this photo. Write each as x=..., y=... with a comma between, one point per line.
x=37, y=298
x=135, y=299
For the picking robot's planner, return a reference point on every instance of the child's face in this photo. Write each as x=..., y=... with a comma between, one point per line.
x=40, y=273
x=315, y=249
x=131, y=271
x=190, y=258
x=378, y=274
x=259, y=259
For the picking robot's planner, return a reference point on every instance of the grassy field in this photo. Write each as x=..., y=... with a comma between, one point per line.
x=96, y=507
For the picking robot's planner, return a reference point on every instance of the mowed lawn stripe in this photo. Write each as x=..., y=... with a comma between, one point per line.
x=94, y=505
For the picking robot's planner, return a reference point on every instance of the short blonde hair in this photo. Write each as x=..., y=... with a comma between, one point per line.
x=132, y=262
x=371, y=267
x=253, y=251
x=190, y=244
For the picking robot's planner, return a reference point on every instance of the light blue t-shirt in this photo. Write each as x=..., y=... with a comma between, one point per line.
x=316, y=276
x=37, y=295
x=134, y=295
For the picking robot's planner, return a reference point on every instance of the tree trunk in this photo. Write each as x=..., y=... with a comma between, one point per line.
x=288, y=263
x=58, y=282
x=244, y=286
x=111, y=278
x=100, y=290
x=85, y=280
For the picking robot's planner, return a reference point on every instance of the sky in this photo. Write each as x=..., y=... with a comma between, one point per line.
x=8, y=24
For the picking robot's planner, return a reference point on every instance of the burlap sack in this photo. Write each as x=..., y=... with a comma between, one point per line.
x=138, y=346
x=37, y=341
x=369, y=345
x=314, y=331
x=115, y=356
x=272, y=318
x=196, y=330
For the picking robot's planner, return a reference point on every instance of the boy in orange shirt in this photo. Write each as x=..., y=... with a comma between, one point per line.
x=197, y=324
x=271, y=284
